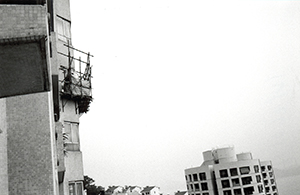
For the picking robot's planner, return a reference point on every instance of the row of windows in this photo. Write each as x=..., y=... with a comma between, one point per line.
x=264, y=168
x=204, y=193
x=273, y=188
x=196, y=177
x=247, y=191
x=196, y=187
x=235, y=171
x=270, y=174
x=266, y=182
x=248, y=180
x=239, y=181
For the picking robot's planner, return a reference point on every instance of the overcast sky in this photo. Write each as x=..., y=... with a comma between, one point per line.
x=175, y=78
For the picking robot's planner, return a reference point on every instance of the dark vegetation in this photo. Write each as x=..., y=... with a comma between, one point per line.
x=91, y=188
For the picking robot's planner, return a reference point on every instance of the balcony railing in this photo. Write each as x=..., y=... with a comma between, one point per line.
x=76, y=84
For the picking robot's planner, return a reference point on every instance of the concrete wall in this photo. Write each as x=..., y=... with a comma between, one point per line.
x=69, y=111
x=63, y=9
x=22, y=21
x=30, y=141
x=224, y=155
x=74, y=168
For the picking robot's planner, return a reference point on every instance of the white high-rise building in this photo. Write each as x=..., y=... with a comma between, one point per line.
x=225, y=173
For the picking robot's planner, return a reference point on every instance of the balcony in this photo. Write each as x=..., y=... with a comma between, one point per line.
x=76, y=84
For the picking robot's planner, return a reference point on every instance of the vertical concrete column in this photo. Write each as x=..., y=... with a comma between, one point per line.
x=3, y=149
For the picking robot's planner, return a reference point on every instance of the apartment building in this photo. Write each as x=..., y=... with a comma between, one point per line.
x=45, y=88
x=225, y=173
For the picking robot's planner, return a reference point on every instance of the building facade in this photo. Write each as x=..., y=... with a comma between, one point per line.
x=225, y=173
x=45, y=86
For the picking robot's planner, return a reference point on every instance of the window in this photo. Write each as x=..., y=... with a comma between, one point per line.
x=202, y=176
x=249, y=190
x=233, y=172
x=206, y=193
x=271, y=174
x=192, y=187
x=264, y=175
x=190, y=177
x=237, y=192
x=269, y=167
x=246, y=180
x=225, y=183
x=235, y=182
x=266, y=182
x=186, y=178
x=204, y=186
x=267, y=189
x=72, y=131
x=197, y=187
x=272, y=181
x=245, y=170
x=260, y=189
x=195, y=177
x=263, y=168
x=63, y=29
x=274, y=188
x=76, y=188
x=227, y=192
x=256, y=168
x=223, y=173
x=258, y=178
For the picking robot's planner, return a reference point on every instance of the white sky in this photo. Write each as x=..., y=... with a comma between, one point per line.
x=175, y=78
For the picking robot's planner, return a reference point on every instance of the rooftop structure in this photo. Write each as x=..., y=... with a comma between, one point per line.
x=225, y=173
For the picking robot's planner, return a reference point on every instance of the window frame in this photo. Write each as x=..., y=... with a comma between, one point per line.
x=223, y=173
x=233, y=172
x=72, y=130
x=202, y=176
x=245, y=170
x=76, y=189
x=63, y=27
